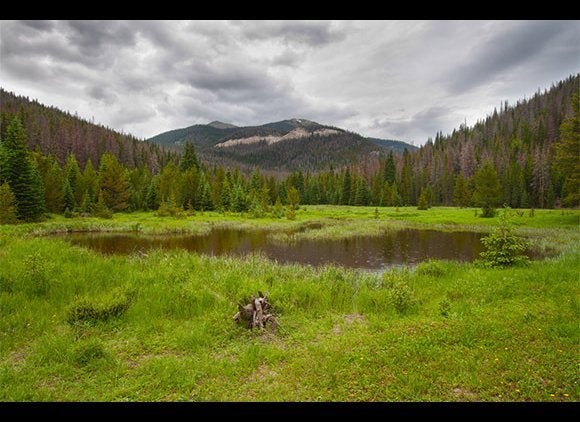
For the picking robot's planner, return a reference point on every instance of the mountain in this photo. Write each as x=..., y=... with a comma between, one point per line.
x=221, y=125
x=60, y=133
x=395, y=146
x=287, y=145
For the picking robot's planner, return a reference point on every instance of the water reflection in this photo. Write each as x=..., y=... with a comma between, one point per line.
x=407, y=246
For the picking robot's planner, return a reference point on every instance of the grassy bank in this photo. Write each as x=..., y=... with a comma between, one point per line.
x=79, y=326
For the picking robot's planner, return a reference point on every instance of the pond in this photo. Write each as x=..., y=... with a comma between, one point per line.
x=401, y=247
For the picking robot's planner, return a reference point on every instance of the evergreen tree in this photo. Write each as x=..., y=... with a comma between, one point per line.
x=346, y=188
x=390, y=171
x=406, y=180
x=90, y=181
x=204, y=194
x=423, y=200
x=152, y=198
x=568, y=155
x=7, y=205
x=387, y=195
x=278, y=210
x=487, y=192
x=69, y=199
x=461, y=195
x=101, y=210
x=54, y=188
x=21, y=174
x=189, y=158
x=114, y=183
x=293, y=198
x=73, y=174
x=362, y=194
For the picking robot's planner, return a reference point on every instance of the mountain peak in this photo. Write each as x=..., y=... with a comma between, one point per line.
x=221, y=125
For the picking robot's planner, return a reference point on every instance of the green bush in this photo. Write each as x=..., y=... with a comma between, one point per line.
x=35, y=279
x=432, y=267
x=99, y=309
x=397, y=282
x=502, y=247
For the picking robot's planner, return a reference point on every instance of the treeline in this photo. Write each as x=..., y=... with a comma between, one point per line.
x=519, y=141
x=57, y=133
x=523, y=156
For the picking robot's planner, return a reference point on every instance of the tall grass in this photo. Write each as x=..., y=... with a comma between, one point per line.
x=160, y=328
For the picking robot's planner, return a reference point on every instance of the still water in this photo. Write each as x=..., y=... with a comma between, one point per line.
x=402, y=247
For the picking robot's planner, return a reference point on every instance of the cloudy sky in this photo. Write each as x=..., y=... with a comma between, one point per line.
x=390, y=79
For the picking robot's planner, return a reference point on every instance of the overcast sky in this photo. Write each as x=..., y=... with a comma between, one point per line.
x=389, y=79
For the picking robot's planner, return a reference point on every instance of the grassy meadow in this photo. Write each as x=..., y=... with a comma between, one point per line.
x=79, y=326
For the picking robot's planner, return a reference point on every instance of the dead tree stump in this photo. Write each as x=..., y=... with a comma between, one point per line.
x=256, y=314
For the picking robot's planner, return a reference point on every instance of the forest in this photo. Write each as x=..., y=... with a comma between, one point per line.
x=524, y=155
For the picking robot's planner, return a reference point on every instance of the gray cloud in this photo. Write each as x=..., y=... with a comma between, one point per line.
x=313, y=33
x=390, y=79
x=431, y=119
x=513, y=46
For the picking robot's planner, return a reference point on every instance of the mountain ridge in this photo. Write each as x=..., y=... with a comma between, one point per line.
x=242, y=145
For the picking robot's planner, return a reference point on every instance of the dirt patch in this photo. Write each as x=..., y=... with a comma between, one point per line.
x=263, y=373
x=464, y=395
x=349, y=320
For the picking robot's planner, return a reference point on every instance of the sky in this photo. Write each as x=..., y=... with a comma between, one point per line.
x=404, y=80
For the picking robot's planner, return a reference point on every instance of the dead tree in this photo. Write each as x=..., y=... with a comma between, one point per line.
x=258, y=313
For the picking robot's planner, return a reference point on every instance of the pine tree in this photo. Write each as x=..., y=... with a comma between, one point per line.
x=487, y=192
x=22, y=175
x=293, y=198
x=101, y=210
x=152, y=198
x=390, y=169
x=278, y=210
x=189, y=159
x=90, y=180
x=461, y=192
x=73, y=174
x=346, y=188
x=362, y=194
x=423, y=205
x=7, y=205
x=568, y=155
x=69, y=199
x=113, y=183
x=53, y=188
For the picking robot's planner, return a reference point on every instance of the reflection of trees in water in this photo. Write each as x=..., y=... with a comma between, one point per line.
x=371, y=252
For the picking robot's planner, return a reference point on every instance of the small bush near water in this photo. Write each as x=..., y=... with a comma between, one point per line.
x=503, y=248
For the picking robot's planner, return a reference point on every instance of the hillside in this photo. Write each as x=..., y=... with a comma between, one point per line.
x=518, y=140
x=59, y=133
x=287, y=145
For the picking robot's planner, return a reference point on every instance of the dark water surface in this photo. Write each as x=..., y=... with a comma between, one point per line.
x=409, y=246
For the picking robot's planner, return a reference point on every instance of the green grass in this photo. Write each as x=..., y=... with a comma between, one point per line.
x=162, y=326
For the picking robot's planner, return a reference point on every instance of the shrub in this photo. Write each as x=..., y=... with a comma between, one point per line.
x=502, y=247
x=432, y=267
x=99, y=309
x=35, y=278
x=291, y=213
x=397, y=283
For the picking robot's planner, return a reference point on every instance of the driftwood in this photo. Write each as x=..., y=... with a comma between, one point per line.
x=258, y=313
